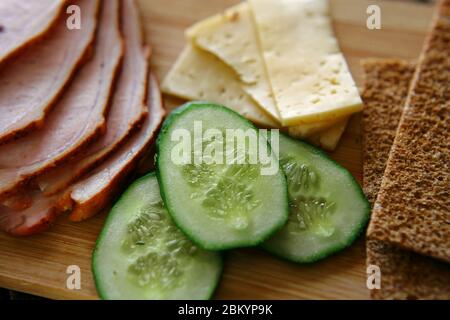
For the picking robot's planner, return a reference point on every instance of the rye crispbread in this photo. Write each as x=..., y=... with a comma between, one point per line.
x=404, y=275
x=407, y=275
x=386, y=87
x=412, y=209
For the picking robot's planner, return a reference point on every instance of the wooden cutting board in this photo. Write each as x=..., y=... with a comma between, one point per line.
x=38, y=264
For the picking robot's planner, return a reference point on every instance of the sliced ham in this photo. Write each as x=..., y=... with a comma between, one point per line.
x=92, y=194
x=127, y=112
x=77, y=119
x=32, y=81
x=34, y=219
x=23, y=22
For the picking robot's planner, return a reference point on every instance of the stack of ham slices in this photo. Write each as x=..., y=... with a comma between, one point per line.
x=79, y=108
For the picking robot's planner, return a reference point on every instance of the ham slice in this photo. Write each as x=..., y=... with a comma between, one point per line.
x=77, y=119
x=92, y=194
x=127, y=112
x=23, y=22
x=32, y=81
x=35, y=219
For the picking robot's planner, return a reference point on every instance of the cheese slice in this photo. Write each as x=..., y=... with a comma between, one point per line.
x=309, y=76
x=231, y=37
x=328, y=139
x=199, y=75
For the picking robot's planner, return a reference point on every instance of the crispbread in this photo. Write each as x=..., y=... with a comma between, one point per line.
x=404, y=275
x=412, y=209
x=407, y=275
x=386, y=87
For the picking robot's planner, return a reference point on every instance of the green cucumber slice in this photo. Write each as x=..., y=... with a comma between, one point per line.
x=220, y=206
x=328, y=208
x=140, y=254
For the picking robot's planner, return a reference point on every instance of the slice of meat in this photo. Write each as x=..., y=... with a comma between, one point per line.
x=92, y=194
x=77, y=119
x=35, y=219
x=32, y=81
x=127, y=112
x=23, y=22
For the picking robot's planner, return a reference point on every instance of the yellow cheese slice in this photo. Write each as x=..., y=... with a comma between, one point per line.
x=231, y=37
x=327, y=139
x=309, y=76
x=199, y=75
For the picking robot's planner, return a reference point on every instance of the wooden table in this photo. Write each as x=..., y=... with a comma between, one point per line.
x=37, y=265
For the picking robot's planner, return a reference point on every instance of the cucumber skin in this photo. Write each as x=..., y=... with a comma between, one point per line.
x=357, y=231
x=102, y=295
x=164, y=128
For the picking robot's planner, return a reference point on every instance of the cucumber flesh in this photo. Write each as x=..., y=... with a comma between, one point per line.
x=328, y=209
x=220, y=205
x=140, y=254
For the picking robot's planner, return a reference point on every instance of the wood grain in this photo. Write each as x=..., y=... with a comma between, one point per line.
x=38, y=264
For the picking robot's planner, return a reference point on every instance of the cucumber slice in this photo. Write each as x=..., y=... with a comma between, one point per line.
x=220, y=206
x=140, y=254
x=328, y=208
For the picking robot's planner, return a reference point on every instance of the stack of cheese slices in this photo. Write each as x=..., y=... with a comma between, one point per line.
x=277, y=63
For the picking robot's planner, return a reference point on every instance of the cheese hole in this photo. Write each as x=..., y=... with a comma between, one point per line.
x=190, y=75
x=249, y=60
x=315, y=100
x=334, y=81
